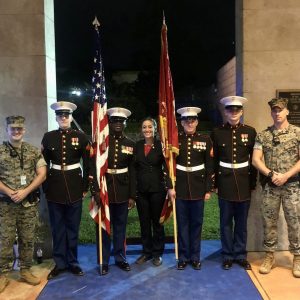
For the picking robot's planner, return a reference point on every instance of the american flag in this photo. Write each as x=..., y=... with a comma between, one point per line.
x=100, y=133
x=168, y=129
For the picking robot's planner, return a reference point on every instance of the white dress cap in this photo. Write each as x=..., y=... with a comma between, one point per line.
x=189, y=111
x=119, y=112
x=233, y=101
x=63, y=105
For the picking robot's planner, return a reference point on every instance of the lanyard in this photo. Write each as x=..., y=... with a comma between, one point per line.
x=14, y=153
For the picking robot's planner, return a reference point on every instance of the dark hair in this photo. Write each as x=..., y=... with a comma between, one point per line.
x=153, y=122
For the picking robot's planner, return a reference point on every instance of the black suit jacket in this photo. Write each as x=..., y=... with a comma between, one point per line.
x=151, y=170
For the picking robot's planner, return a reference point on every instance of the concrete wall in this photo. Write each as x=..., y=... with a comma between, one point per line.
x=268, y=58
x=226, y=82
x=28, y=78
x=27, y=64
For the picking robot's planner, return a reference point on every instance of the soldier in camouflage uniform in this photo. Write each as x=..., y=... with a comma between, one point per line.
x=276, y=155
x=22, y=170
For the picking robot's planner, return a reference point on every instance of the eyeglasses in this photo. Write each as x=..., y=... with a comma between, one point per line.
x=16, y=128
x=66, y=116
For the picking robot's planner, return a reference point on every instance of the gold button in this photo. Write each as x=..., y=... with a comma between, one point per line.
x=189, y=153
x=188, y=157
x=233, y=131
x=189, y=148
x=234, y=149
x=189, y=139
x=234, y=143
x=64, y=152
x=189, y=163
x=234, y=161
x=234, y=155
x=64, y=164
x=63, y=136
x=234, y=137
x=115, y=166
x=116, y=160
x=63, y=147
x=64, y=158
x=64, y=141
x=116, y=155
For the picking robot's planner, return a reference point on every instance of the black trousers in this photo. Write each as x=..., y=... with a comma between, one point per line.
x=233, y=227
x=118, y=220
x=65, y=222
x=149, y=206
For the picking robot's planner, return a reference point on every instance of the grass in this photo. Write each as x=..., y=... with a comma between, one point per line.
x=210, y=229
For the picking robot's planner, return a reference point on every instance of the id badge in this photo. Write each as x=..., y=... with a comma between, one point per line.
x=23, y=179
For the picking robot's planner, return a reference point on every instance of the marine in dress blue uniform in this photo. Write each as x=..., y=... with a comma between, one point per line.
x=235, y=178
x=121, y=186
x=65, y=186
x=194, y=181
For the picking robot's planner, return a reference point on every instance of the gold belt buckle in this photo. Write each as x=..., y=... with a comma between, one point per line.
x=189, y=169
x=113, y=171
x=63, y=168
x=235, y=166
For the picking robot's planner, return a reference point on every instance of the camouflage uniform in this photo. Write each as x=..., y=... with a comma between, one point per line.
x=21, y=216
x=281, y=152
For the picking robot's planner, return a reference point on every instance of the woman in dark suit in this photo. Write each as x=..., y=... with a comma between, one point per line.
x=152, y=186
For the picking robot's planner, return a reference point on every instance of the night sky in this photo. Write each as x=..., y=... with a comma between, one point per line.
x=200, y=36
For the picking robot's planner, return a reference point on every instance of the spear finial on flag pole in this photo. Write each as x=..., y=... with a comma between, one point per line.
x=96, y=22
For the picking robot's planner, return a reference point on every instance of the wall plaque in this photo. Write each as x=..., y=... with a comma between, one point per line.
x=293, y=105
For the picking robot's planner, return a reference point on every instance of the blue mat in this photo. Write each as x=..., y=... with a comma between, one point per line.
x=150, y=282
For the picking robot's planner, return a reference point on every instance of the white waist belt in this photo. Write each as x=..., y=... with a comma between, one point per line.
x=65, y=168
x=234, y=166
x=117, y=171
x=190, y=169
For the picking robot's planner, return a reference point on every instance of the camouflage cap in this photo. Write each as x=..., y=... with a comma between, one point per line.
x=15, y=121
x=279, y=102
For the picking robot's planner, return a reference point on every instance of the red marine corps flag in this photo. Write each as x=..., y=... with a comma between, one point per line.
x=100, y=134
x=168, y=129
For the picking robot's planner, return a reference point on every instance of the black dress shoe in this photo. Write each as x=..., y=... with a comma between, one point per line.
x=157, y=261
x=181, y=265
x=76, y=270
x=244, y=264
x=54, y=272
x=142, y=259
x=227, y=264
x=196, y=264
x=123, y=265
x=104, y=270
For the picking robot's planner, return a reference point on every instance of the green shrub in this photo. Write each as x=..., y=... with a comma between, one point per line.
x=210, y=229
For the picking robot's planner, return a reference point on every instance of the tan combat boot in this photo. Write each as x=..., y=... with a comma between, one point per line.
x=3, y=282
x=267, y=264
x=27, y=276
x=296, y=266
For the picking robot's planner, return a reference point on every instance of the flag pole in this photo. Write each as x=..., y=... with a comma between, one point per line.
x=174, y=208
x=100, y=240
